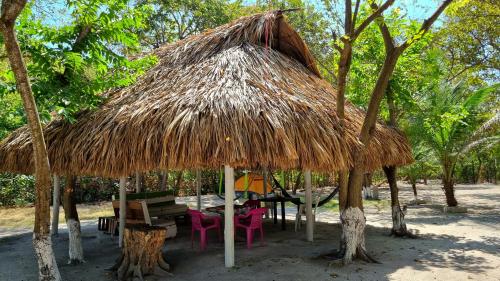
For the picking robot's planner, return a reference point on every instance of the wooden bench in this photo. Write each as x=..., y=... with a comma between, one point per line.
x=155, y=208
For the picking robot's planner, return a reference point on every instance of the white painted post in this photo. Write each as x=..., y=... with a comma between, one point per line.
x=198, y=190
x=137, y=182
x=123, y=209
x=56, y=199
x=229, y=216
x=309, y=199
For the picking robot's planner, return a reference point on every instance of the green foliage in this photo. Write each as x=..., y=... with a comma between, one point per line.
x=12, y=113
x=72, y=62
x=16, y=190
x=448, y=115
x=172, y=20
x=470, y=38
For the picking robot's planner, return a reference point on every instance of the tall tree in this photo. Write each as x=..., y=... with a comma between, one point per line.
x=410, y=76
x=352, y=216
x=47, y=266
x=344, y=45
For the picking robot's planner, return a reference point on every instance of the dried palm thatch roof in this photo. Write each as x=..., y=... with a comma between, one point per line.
x=247, y=94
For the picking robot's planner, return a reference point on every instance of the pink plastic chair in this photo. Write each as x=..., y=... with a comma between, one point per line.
x=202, y=223
x=255, y=223
x=252, y=204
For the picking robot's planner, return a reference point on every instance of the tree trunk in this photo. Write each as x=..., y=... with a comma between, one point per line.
x=73, y=222
x=138, y=182
x=297, y=183
x=47, y=266
x=142, y=253
x=398, y=217
x=178, y=181
x=414, y=187
x=353, y=220
x=450, y=193
x=448, y=184
x=163, y=180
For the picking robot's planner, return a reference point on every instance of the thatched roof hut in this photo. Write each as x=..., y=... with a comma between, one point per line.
x=245, y=94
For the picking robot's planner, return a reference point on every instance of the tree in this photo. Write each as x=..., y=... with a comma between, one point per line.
x=410, y=75
x=344, y=46
x=172, y=20
x=73, y=62
x=352, y=216
x=470, y=39
x=47, y=266
x=449, y=122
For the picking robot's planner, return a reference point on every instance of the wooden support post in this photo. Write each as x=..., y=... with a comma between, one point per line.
x=264, y=175
x=198, y=190
x=123, y=209
x=229, y=216
x=56, y=199
x=309, y=215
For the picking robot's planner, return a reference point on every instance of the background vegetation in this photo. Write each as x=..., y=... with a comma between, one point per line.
x=443, y=94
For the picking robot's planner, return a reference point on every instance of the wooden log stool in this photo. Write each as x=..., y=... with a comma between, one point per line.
x=142, y=252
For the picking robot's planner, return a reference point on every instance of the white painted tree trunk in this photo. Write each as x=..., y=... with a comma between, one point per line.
x=47, y=267
x=353, y=226
x=56, y=199
x=229, y=216
x=398, y=221
x=75, y=242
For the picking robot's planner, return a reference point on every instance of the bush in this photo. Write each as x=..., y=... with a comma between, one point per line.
x=16, y=190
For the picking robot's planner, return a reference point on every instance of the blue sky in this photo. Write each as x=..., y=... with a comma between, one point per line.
x=56, y=10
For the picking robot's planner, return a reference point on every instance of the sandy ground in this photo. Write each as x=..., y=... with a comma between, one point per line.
x=449, y=247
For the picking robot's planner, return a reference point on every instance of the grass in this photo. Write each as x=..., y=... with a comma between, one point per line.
x=334, y=204
x=379, y=204
x=23, y=217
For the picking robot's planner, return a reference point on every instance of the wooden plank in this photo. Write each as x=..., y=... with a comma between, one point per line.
x=145, y=211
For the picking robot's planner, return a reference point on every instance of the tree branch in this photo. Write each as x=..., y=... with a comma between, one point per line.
x=11, y=10
x=426, y=25
x=355, y=16
x=348, y=17
x=386, y=34
x=372, y=17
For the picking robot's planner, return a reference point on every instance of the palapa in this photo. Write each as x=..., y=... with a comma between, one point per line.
x=247, y=94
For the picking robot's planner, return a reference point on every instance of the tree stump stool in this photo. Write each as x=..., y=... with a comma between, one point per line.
x=142, y=253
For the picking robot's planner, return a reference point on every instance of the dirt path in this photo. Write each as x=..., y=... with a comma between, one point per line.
x=451, y=247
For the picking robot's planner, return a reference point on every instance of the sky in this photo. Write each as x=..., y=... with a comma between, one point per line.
x=415, y=9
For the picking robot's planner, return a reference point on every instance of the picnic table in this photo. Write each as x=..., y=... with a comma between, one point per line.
x=282, y=200
x=238, y=209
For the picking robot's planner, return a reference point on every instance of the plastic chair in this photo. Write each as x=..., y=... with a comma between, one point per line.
x=302, y=211
x=252, y=204
x=255, y=223
x=202, y=223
